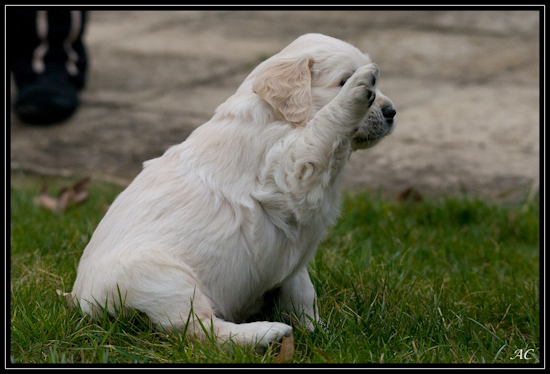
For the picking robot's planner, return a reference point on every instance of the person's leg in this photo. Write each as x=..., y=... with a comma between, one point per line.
x=48, y=60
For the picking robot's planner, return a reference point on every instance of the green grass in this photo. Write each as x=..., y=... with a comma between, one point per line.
x=446, y=280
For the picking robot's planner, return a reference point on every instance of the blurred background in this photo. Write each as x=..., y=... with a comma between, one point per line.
x=465, y=85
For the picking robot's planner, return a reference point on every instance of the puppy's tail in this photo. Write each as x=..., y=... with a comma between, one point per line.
x=67, y=296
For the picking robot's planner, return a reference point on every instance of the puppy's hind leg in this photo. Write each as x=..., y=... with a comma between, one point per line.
x=174, y=299
x=198, y=321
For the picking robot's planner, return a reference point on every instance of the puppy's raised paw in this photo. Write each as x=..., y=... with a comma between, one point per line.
x=359, y=92
x=364, y=78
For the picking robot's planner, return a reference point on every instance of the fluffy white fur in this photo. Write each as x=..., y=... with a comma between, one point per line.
x=237, y=210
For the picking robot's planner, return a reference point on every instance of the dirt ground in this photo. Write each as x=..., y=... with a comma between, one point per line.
x=465, y=85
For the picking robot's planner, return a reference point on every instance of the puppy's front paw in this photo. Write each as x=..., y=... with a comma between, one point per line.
x=360, y=89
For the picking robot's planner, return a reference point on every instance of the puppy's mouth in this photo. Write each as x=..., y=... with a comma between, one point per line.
x=377, y=125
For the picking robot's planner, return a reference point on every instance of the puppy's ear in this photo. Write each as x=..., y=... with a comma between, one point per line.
x=286, y=86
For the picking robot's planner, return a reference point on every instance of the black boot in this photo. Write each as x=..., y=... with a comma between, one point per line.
x=50, y=98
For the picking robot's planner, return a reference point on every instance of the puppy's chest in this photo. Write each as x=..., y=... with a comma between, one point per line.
x=289, y=243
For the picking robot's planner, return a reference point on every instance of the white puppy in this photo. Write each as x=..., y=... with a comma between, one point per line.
x=237, y=210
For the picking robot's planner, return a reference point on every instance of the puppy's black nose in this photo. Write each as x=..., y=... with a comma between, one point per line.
x=389, y=112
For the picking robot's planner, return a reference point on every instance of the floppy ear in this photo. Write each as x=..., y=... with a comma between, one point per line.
x=286, y=86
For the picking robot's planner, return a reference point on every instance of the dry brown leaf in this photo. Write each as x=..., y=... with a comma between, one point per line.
x=81, y=190
x=64, y=199
x=287, y=350
x=67, y=196
x=410, y=194
x=45, y=200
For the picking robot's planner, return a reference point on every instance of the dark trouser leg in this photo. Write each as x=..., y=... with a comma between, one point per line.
x=48, y=59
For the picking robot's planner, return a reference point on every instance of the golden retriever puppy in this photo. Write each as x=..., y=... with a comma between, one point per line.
x=237, y=210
